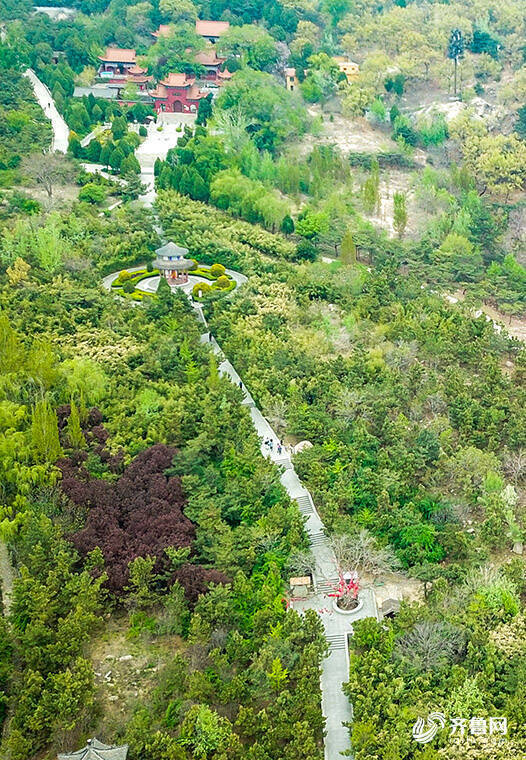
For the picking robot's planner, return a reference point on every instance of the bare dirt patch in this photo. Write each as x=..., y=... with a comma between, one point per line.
x=396, y=586
x=350, y=135
x=396, y=181
x=126, y=671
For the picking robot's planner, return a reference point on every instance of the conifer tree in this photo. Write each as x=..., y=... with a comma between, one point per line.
x=74, y=430
x=44, y=432
x=348, y=249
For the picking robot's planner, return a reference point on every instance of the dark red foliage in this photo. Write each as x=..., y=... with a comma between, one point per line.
x=195, y=583
x=138, y=515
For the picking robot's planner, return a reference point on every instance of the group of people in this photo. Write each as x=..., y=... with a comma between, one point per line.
x=269, y=444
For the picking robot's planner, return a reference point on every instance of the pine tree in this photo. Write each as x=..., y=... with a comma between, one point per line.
x=348, y=249
x=105, y=154
x=204, y=111
x=134, y=187
x=74, y=146
x=185, y=182
x=198, y=188
x=287, y=225
x=116, y=159
x=93, y=151
x=119, y=127
x=455, y=50
x=399, y=214
x=74, y=430
x=44, y=433
x=164, y=181
x=130, y=165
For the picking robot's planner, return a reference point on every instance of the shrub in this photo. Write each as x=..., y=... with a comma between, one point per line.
x=217, y=270
x=200, y=287
x=223, y=282
x=92, y=193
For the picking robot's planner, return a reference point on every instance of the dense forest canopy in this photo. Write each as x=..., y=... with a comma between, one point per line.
x=349, y=190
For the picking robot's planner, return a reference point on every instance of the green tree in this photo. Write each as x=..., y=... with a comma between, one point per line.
x=105, y=154
x=130, y=165
x=455, y=50
x=116, y=158
x=74, y=430
x=119, y=127
x=399, y=213
x=287, y=225
x=44, y=432
x=348, y=249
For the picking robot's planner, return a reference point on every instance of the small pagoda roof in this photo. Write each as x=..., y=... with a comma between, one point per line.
x=118, y=55
x=172, y=256
x=211, y=28
x=177, y=79
x=96, y=750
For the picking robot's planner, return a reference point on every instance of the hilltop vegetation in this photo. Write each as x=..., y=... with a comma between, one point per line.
x=151, y=543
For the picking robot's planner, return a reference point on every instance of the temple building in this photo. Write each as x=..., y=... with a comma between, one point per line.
x=139, y=77
x=212, y=63
x=211, y=30
x=291, y=80
x=208, y=30
x=116, y=63
x=96, y=750
x=177, y=93
x=172, y=263
x=347, y=67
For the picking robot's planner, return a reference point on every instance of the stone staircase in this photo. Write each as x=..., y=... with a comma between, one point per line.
x=336, y=641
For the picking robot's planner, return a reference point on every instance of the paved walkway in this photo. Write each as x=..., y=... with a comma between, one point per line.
x=60, y=128
x=335, y=668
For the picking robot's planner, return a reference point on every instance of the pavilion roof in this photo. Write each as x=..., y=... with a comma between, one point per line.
x=211, y=28
x=171, y=249
x=96, y=750
x=118, y=55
